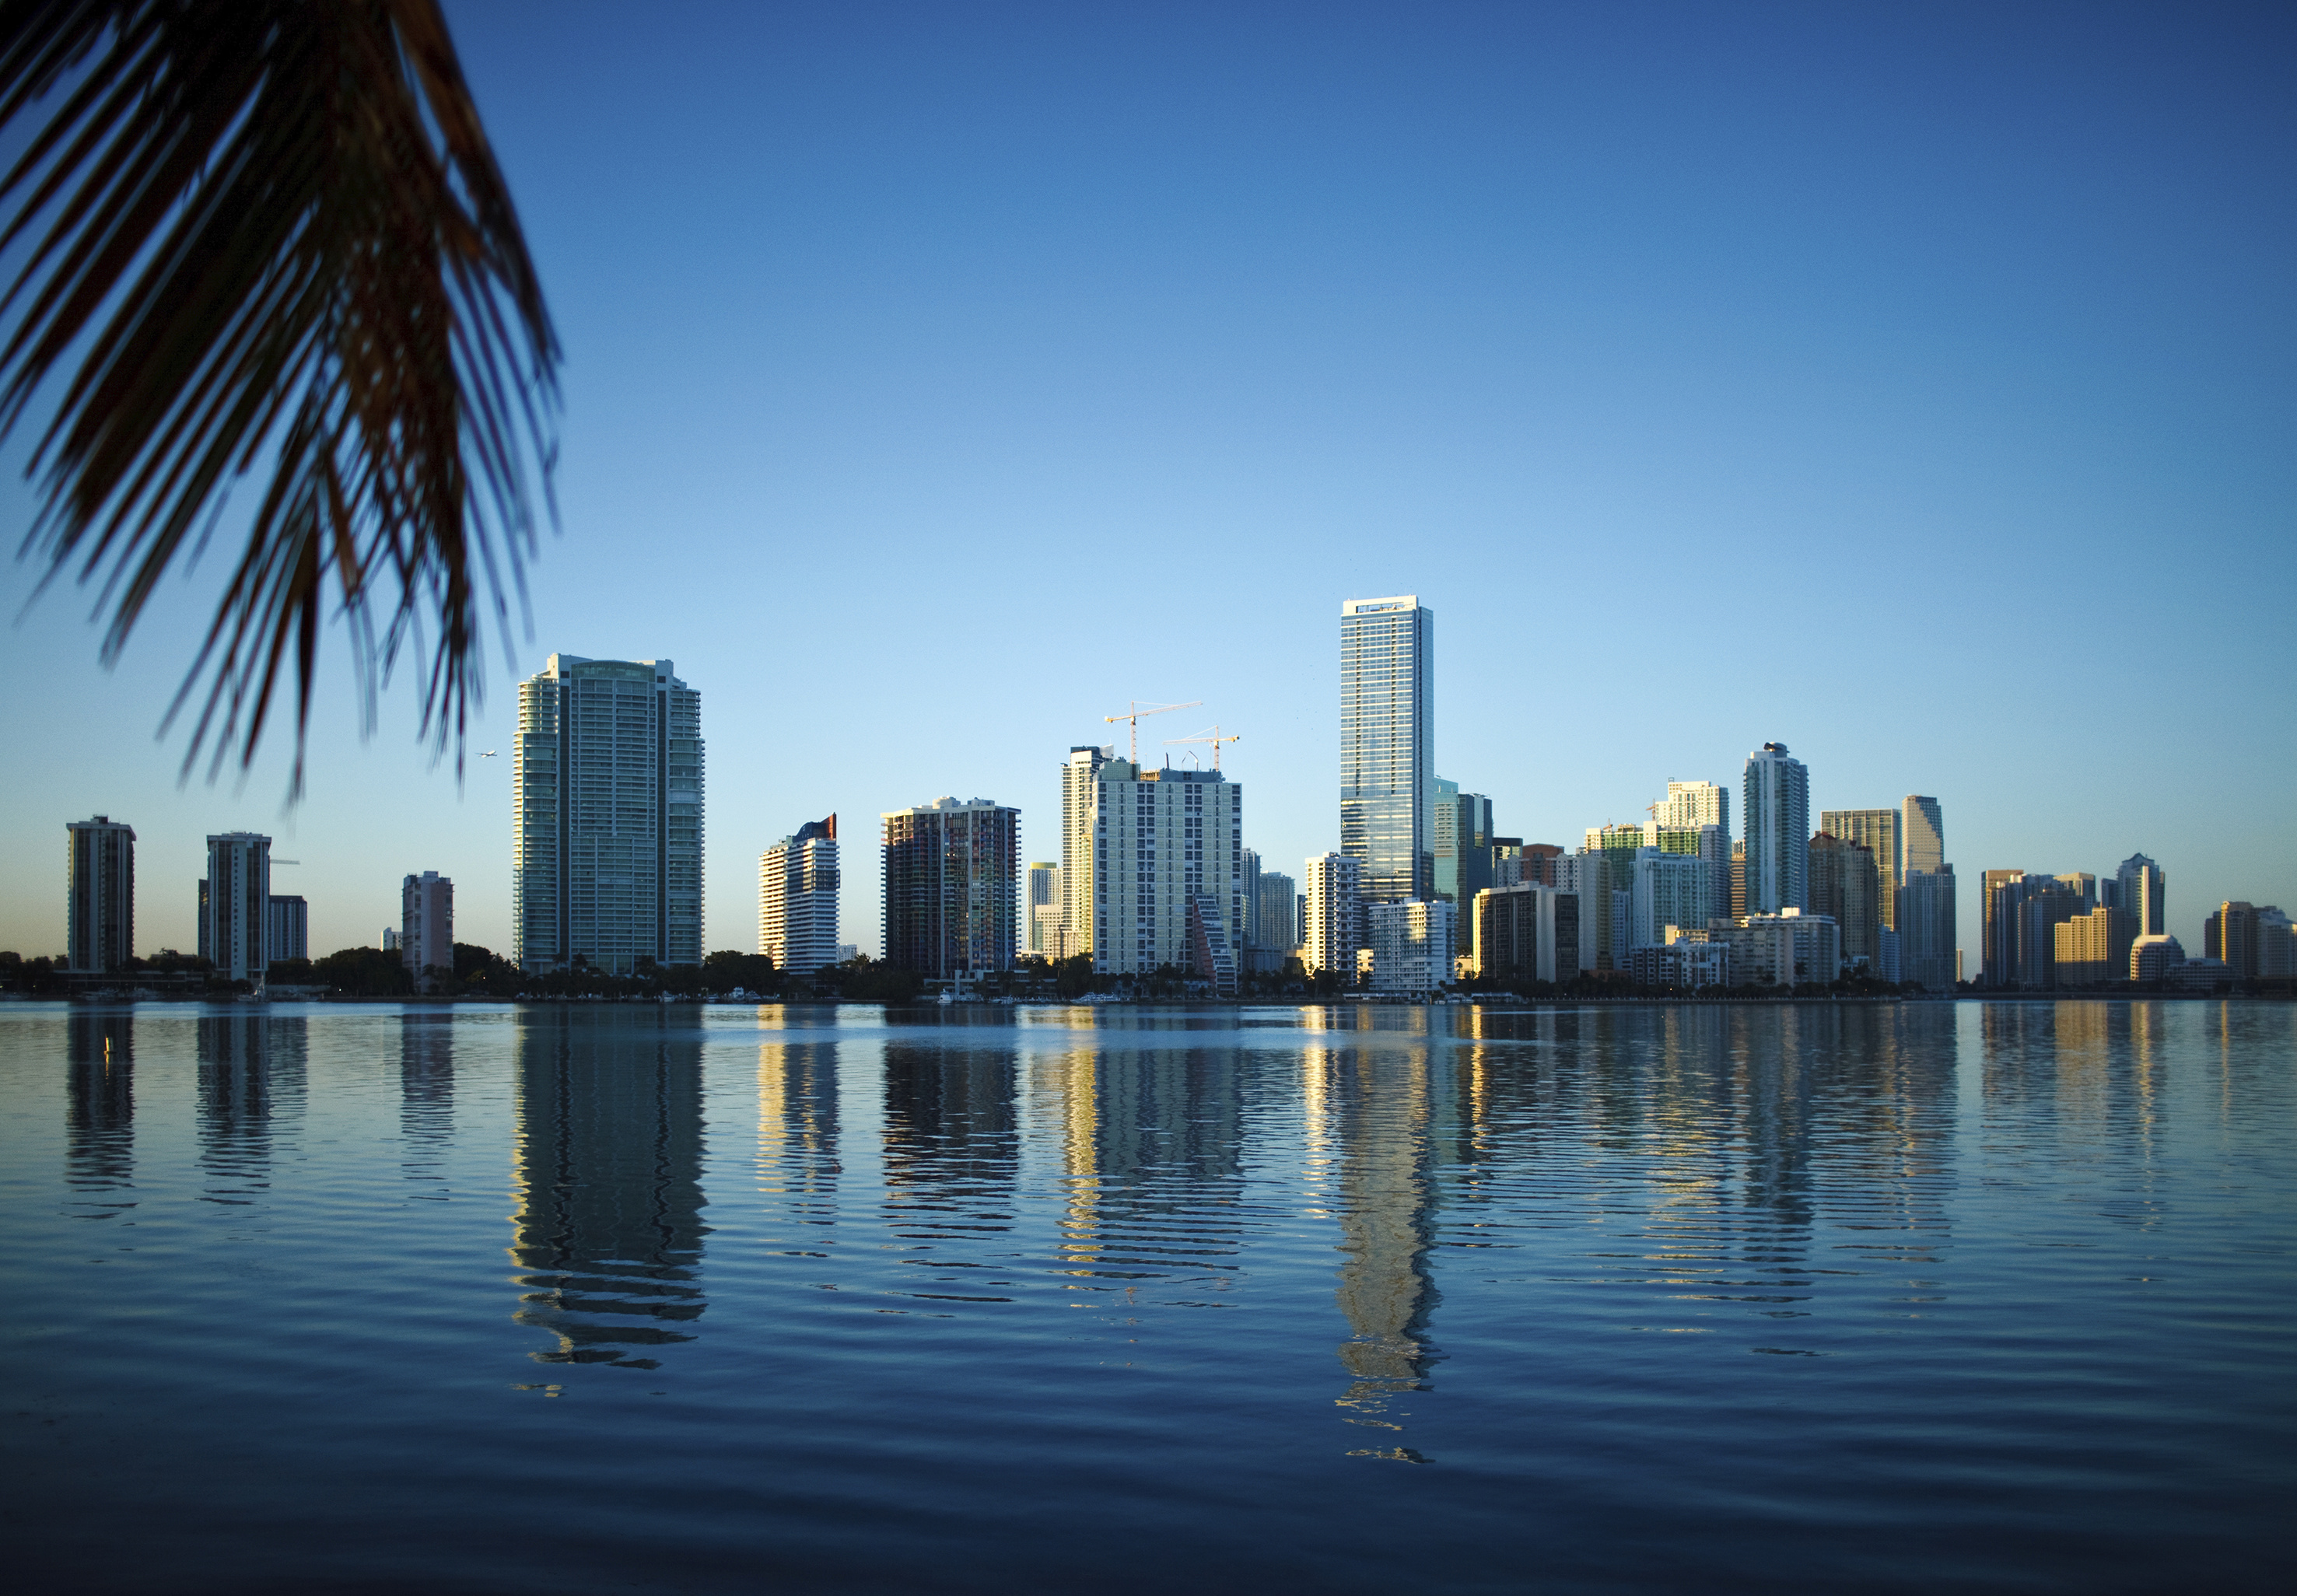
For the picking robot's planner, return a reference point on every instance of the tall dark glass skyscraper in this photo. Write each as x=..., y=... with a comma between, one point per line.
x=1387, y=687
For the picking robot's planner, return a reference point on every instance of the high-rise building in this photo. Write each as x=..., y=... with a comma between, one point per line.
x=1846, y=882
x=2040, y=913
x=100, y=894
x=2143, y=892
x=235, y=905
x=1249, y=871
x=952, y=886
x=2093, y=949
x=1479, y=854
x=1738, y=881
x=1280, y=914
x=1443, y=846
x=1921, y=834
x=1708, y=841
x=2276, y=945
x=1691, y=804
x=389, y=942
x=1388, y=677
x=426, y=923
x=1588, y=876
x=2231, y=934
x=1527, y=933
x=798, y=882
x=287, y=929
x=1335, y=914
x=606, y=816
x=1881, y=832
x=1412, y=945
x=2002, y=890
x=1042, y=909
x=1776, y=802
x=1667, y=889
x=1925, y=953
x=1080, y=773
x=1162, y=838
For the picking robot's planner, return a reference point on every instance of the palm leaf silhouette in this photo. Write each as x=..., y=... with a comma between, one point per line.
x=268, y=236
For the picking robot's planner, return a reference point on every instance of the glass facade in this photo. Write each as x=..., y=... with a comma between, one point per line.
x=1387, y=669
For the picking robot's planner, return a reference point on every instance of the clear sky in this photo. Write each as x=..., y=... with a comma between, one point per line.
x=1915, y=385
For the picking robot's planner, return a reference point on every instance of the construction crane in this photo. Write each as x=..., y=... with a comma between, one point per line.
x=1134, y=712
x=1214, y=738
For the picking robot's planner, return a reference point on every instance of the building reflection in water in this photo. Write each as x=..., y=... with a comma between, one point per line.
x=797, y=1128
x=952, y=1141
x=426, y=1096
x=251, y=1070
x=607, y=1178
x=100, y=1113
x=1152, y=1154
x=1369, y=1112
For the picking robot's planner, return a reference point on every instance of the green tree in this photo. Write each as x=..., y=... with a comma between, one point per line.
x=270, y=235
x=364, y=972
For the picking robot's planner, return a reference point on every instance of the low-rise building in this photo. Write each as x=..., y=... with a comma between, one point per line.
x=1527, y=933
x=1412, y=946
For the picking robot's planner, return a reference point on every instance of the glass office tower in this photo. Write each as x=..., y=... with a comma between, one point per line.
x=1387, y=682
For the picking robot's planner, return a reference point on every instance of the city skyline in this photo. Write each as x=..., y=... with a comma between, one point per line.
x=1398, y=323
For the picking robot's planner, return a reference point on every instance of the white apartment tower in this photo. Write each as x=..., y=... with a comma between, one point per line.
x=1387, y=723
x=235, y=905
x=1335, y=914
x=1412, y=945
x=606, y=816
x=100, y=894
x=1776, y=802
x=1160, y=839
x=426, y=923
x=1079, y=794
x=1691, y=804
x=797, y=899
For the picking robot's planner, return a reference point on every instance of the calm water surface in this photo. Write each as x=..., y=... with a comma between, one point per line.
x=1959, y=1297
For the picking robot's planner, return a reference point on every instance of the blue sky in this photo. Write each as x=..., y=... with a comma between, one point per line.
x=1912, y=385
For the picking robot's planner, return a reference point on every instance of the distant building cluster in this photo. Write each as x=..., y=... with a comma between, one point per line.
x=1154, y=881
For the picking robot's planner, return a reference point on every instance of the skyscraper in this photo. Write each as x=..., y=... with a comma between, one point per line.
x=952, y=886
x=797, y=899
x=1927, y=929
x=1161, y=840
x=1280, y=912
x=2144, y=893
x=1691, y=804
x=1042, y=910
x=1845, y=883
x=1776, y=802
x=426, y=923
x=1881, y=832
x=1079, y=773
x=1248, y=872
x=1335, y=914
x=1443, y=842
x=1387, y=672
x=1922, y=828
x=235, y=905
x=606, y=816
x=100, y=894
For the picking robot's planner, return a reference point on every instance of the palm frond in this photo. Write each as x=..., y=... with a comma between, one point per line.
x=280, y=231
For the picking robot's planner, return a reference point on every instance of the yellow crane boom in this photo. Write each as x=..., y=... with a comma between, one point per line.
x=1134, y=712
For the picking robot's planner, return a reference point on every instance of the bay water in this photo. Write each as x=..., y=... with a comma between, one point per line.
x=1941, y=1295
